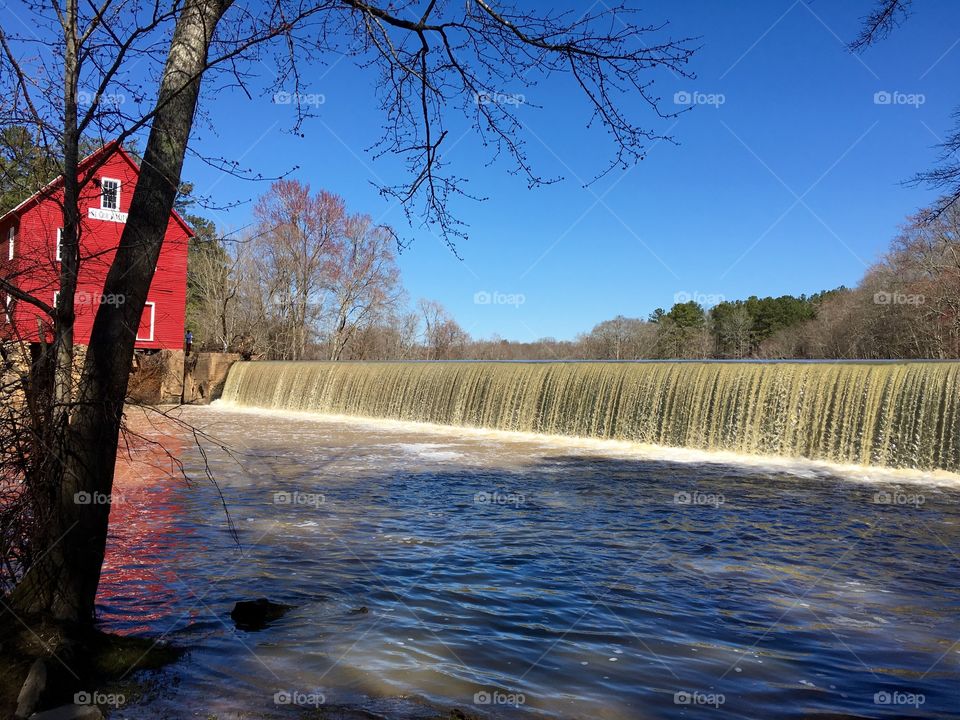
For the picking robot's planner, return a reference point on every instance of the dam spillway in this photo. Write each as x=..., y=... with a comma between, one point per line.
x=883, y=414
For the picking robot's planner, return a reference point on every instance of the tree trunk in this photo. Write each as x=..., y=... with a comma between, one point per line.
x=70, y=233
x=63, y=583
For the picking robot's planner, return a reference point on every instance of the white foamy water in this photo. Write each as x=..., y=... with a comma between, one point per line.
x=898, y=414
x=802, y=468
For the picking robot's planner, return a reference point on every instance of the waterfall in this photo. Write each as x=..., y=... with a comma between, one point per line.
x=890, y=414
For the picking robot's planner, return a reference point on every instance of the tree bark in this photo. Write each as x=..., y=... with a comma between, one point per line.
x=70, y=233
x=63, y=583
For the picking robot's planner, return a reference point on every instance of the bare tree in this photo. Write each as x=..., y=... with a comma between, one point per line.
x=921, y=274
x=215, y=279
x=296, y=237
x=887, y=16
x=621, y=338
x=403, y=329
x=364, y=280
x=734, y=332
x=443, y=338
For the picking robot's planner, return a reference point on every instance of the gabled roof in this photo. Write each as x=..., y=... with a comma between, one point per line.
x=112, y=147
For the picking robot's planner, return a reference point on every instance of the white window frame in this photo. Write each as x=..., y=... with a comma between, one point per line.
x=56, y=294
x=59, y=244
x=102, y=198
x=153, y=319
x=7, y=317
x=11, y=237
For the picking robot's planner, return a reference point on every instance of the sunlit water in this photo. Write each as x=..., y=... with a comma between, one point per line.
x=517, y=576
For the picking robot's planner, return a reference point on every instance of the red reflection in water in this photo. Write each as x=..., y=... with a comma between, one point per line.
x=147, y=533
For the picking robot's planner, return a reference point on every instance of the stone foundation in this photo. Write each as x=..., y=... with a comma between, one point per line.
x=14, y=369
x=205, y=375
x=15, y=362
x=162, y=378
x=156, y=379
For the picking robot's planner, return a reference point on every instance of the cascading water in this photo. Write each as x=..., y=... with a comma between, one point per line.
x=889, y=414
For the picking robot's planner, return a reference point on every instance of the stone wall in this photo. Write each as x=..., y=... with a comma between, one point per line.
x=157, y=378
x=15, y=362
x=14, y=368
x=162, y=378
x=204, y=376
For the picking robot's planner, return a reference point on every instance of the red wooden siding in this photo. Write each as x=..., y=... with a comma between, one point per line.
x=35, y=268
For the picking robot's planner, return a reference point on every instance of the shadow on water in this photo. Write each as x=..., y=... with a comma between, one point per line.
x=519, y=580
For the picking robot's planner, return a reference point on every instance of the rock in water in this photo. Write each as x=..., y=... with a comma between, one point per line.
x=256, y=614
x=32, y=689
x=70, y=712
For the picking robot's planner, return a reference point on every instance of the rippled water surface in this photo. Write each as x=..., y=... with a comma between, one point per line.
x=513, y=576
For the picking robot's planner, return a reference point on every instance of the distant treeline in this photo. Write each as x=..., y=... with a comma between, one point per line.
x=906, y=306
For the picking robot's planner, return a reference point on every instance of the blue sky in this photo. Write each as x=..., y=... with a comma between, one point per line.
x=791, y=185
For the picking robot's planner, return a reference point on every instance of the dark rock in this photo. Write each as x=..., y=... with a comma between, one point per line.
x=362, y=610
x=70, y=712
x=458, y=714
x=256, y=614
x=114, y=656
x=32, y=689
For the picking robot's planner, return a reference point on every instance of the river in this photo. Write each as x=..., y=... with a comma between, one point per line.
x=512, y=575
